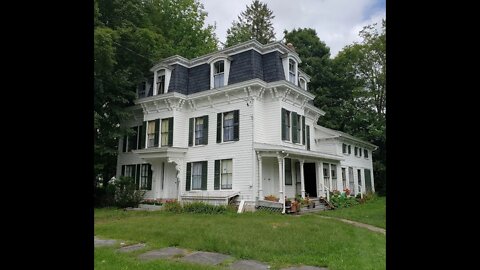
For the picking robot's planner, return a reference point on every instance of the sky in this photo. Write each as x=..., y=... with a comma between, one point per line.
x=337, y=22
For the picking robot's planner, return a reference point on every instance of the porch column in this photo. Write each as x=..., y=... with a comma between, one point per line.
x=330, y=188
x=281, y=181
x=322, y=177
x=339, y=178
x=347, y=176
x=373, y=182
x=302, y=178
x=317, y=169
x=260, y=177
x=362, y=172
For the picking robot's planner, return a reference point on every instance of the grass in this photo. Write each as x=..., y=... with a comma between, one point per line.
x=278, y=240
x=372, y=212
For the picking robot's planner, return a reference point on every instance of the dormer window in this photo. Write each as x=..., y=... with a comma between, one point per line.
x=219, y=71
x=292, y=71
x=303, y=84
x=161, y=79
x=160, y=82
x=218, y=74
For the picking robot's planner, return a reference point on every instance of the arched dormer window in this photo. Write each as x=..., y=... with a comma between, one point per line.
x=303, y=83
x=292, y=71
x=219, y=71
x=290, y=67
x=161, y=79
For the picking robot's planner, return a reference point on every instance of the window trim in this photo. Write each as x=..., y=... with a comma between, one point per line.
x=220, y=175
x=221, y=127
x=286, y=67
x=226, y=69
x=290, y=130
x=167, y=72
x=300, y=83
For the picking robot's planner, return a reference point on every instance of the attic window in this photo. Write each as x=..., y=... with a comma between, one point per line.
x=303, y=84
x=292, y=70
x=160, y=82
x=219, y=71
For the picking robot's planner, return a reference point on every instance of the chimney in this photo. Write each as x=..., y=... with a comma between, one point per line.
x=290, y=45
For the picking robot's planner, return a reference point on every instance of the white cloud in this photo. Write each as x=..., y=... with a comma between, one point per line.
x=337, y=22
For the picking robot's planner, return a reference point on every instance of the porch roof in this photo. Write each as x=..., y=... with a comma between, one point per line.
x=162, y=152
x=295, y=152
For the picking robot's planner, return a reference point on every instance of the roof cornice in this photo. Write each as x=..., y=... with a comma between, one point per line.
x=253, y=44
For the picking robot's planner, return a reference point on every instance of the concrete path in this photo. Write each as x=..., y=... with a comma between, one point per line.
x=358, y=224
x=199, y=257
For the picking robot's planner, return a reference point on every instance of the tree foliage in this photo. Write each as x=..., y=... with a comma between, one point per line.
x=253, y=23
x=129, y=36
x=350, y=88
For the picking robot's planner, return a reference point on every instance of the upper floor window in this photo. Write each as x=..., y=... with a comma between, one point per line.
x=349, y=149
x=297, y=122
x=219, y=71
x=344, y=148
x=365, y=153
x=356, y=151
x=152, y=133
x=228, y=125
x=218, y=74
x=292, y=71
x=303, y=84
x=165, y=129
x=160, y=82
x=198, y=129
x=359, y=152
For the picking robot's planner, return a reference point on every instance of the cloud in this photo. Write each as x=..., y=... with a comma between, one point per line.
x=337, y=22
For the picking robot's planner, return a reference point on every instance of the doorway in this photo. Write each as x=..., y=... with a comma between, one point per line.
x=310, y=177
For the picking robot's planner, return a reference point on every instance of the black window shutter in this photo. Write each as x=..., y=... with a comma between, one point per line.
x=204, y=175
x=284, y=125
x=216, y=180
x=294, y=127
x=189, y=176
x=134, y=145
x=170, y=131
x=288, y=171
x=133, y=172
x=308, y=137
x=236, y=125
x=303, y=130
x=122, y=173
x=142, y=132
x=205, y=129
x=190, y=132
x=219, y=127
x=149, y=178
x=137, y=179
x=124, y=148
x=157, y=132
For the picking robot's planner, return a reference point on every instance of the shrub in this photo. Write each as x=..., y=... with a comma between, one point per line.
x=172, y=206
x=204, y=208
x=126, y=194
x=152, y=201
x=342, y=201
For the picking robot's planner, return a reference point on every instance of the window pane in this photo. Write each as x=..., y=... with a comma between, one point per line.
x=197, y=175
x=218, y=67
x=198, y=130
x=161, y=84
x=228, y=127
x=218, y=80
x=164, y=132
x=226, y=174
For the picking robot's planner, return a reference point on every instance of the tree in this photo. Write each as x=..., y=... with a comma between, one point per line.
x=129, y=36
x=253, y=23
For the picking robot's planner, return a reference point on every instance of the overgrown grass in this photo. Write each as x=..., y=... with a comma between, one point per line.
x=372, y=212
x=275, y=239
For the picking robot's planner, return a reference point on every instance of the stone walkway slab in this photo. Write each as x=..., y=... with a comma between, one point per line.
x=209, y=258
x=304, y=267
x=131, y=248
x=104, y=242
x=163, y=253
x=249, y=265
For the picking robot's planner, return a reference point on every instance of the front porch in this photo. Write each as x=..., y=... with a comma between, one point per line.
x=291, y=173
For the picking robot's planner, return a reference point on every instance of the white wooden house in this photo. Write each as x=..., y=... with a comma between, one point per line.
x=238, y=123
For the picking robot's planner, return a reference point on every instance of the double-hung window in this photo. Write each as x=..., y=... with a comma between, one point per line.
x=297, y=124
x=160, y=82
x=152, y=133
x=165, y=129
x=223, y=174
x=218, y=73
x=196, y=176
x=292, y=71
x=365, y=153
x=198, y=131
x=146, y=177
x=228, y=126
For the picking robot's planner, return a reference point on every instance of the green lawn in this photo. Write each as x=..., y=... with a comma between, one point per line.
x=372, y=212
x=272, y=238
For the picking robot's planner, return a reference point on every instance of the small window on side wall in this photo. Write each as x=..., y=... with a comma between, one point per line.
x=303, y=84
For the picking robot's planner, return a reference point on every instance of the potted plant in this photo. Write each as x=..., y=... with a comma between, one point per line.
x=295, y=206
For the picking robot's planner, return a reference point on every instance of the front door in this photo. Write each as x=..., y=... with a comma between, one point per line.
x=310, y=178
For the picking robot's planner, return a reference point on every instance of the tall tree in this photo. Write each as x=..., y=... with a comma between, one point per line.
x=129, y=36
x=253, y=23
